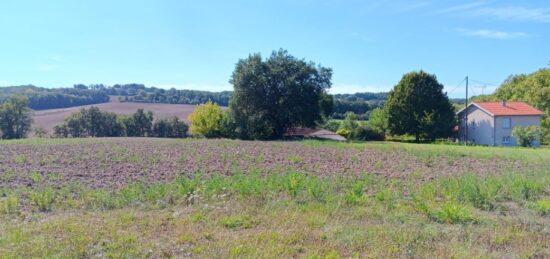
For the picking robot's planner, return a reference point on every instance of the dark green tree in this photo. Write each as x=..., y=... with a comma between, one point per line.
x=143, y=123
x=15, y=118
x=170, y=128
x=273, y=95
x=418, y=106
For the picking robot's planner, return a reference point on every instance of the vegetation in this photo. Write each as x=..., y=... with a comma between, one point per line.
x=288, y=213
x=276, y=94
x=207, y=120
x=418, y=106
x=93, y=122
x=527, y=136
x=15, y=118
x=40, y=98
x=533, y=89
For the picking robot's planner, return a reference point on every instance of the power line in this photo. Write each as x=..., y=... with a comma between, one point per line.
x=459, y=84
x=484, y=83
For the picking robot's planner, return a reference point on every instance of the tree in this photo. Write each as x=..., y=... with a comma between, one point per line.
x=15, y=118
x=143, y=122
x=206, y=120
x=378, y=120
x=170, y=128
x=418, y=106
x=276, y=94
x=533, y=89
x=527, y=136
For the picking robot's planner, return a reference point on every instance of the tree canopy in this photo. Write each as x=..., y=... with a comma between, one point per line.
x=15, y=118
x=275, y=94
x=418, y=106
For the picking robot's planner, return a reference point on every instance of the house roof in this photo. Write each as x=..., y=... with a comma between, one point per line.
x=507, y=108
x=313, y=133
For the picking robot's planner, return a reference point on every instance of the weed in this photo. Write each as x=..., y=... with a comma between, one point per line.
x=293, y=184
x=452, y=213
x=542, y=207
x=36, y=177
x=43, y=199
x=9, y=205
x=238, y=222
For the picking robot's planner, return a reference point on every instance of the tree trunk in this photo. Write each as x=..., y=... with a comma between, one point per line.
x=417, y=135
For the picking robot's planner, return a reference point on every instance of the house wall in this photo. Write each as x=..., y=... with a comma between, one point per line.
x=483, y=131
x=522, y=121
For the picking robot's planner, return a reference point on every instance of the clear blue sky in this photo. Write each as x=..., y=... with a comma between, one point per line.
x=195, y=44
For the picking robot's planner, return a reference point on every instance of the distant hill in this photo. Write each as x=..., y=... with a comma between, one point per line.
x=41, y=98
x=48, y=119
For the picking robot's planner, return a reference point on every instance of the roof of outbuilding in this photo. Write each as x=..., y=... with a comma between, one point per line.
x=508, y=109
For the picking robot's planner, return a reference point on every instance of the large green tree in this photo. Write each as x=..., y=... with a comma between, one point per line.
x=533, y=89
x=418, y=106
x=275, y=94
x=15, y=118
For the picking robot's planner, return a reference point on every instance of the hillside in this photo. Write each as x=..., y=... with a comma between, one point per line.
x=48, y=119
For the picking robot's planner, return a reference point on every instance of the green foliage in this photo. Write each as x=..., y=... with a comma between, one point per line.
x=294, y=183
x=90, y=122
x=43, y=199
x=533, y=89
x=40, y=98
x=170, y=128
x=527, y=136
x=207, y=120
x=9, y=204
x=351, y=129
x=378, y=120
x=276, y=94
x=452, y=213
x=238, y=222
x=418, y=106
x=344, y=133
x=542, y=207
x=15, y=118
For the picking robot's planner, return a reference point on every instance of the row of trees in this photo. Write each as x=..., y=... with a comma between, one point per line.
x=93, y=122
x=43, y=98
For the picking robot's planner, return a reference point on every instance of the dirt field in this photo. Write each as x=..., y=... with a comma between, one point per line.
x=198, y=198
x=116, y=162
x=48, y=119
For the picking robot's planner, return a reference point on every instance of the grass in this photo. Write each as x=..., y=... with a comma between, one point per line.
x=252, y=214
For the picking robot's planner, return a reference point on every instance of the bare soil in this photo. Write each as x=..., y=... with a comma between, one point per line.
x=118, y=161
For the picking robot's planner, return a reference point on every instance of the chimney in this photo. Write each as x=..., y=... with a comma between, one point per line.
x=503, y=102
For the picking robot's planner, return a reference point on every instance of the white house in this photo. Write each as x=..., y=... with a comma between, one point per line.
x=491, y=123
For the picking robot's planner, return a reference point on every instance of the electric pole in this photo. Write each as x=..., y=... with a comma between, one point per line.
x=466, y=116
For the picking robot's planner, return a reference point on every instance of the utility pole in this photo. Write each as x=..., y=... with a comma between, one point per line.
x=466, y=112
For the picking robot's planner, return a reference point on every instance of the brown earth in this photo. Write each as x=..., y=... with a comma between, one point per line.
x=48, y=119
x=115, y=162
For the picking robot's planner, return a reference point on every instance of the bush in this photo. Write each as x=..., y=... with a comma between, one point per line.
x=206, y=120
x=527, y=136
x=365, y=133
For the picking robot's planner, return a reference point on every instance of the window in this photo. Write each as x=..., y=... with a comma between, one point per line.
x=506, y=123
x=506, y=140
x=473, y=124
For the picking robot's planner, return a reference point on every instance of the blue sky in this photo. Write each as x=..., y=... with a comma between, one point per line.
x=195, y=44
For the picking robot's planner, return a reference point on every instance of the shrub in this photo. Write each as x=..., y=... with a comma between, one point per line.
x=364, y=133
x=344, y=133
x=206, y=120
x=527, y=136
x=43, y=199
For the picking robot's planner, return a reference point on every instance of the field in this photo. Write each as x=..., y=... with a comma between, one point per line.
x=140, y=197
x=47, y=119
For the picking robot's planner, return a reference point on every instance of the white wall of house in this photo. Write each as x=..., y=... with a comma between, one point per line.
x=503, y=133
x=480, y=126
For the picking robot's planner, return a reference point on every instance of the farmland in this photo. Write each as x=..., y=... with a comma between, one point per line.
x=48, y=119
x=140, y=197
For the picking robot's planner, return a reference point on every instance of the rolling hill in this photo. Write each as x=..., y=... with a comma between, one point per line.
x=48, y=119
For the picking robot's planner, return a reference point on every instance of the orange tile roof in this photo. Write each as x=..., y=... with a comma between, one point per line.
x=510, y=109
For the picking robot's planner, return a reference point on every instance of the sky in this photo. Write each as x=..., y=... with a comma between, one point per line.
x=369, y=44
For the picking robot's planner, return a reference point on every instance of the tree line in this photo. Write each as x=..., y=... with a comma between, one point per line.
x=93, y=122
x=39, y=98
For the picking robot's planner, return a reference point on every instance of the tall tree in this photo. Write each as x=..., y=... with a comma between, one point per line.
x=143, y=122
x=418, y=106
x=15, y=118
x=273, y=95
